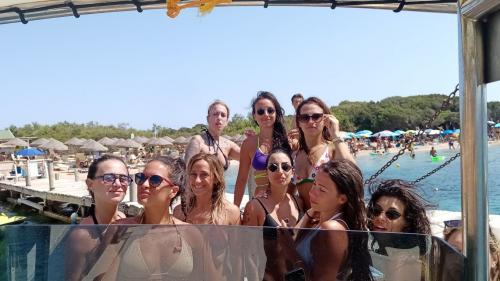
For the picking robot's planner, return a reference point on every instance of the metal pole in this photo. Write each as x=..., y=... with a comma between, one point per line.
x=50, y=171
x=77, y=174
x=133, y=192
x=474, y=149
x=28, y=174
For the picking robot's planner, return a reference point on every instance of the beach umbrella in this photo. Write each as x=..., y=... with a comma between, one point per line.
x=106, y=141
x=497, y=125
x=430, y=132
x=93, y=146
x=448, y=132
x=384, y=134
x=363, y=134
x=119, y=143
x=39, y=142
x=55, y=145
x=181, y=140
x=169, y=139
x=131, y=144
x=74, y=141
x=158, y=142
x=17, y=142
x=28, y=152
x=347, y=135
x=141, y=140
x=399, y=132
x=411, y=132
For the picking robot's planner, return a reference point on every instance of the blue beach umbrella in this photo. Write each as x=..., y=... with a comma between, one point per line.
x=497, y=125
x=399, y=132
x=448, y=132
x=30, y=151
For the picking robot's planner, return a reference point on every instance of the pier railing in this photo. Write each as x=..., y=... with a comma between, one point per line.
x=206, y=252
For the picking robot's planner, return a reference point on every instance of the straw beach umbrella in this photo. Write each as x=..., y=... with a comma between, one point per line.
x=74, y=142
x=17, y=142
x=39, y=142
x=131, y=144
x=141, y=140
x=167, y=138
x=158, y=142
x=93, y=146
x=106, y=141
x=54, y=145
x=181, y=140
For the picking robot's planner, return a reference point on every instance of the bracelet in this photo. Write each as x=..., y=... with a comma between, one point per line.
x=337, y=140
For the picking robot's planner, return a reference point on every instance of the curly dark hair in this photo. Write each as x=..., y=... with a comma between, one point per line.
x=415, y=205
x=326, y=110
x=349, y=180
x=280, y=138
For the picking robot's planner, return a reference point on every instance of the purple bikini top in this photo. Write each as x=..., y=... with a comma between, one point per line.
x=259, y=160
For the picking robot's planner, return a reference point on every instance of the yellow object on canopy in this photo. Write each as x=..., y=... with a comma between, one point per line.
x=205, y=6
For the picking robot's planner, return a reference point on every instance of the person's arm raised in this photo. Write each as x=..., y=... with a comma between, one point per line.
x=243, y=170
x=193, y=147
x=341, y=148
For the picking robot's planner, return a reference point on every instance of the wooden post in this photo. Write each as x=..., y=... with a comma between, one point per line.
x=28, y=174
x=77, y=175
x=133, y=192
x=50, y=171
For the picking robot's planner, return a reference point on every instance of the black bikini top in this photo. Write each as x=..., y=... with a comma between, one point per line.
x=215, y=144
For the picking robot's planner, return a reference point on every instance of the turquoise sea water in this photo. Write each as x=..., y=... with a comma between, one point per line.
x=442, y=188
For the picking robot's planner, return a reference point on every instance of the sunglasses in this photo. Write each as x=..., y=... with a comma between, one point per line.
x=275, y=166
x=154, y=180
x=109, y=179
x=389, y=214
x=453, y=223
x=262, y=111
x=304, y=118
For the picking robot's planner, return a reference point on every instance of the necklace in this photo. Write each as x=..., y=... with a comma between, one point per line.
x=178, y=246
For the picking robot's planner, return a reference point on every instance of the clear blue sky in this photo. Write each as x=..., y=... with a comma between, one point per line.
x=147, y=68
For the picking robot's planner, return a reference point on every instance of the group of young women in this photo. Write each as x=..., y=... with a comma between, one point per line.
x=315, y=192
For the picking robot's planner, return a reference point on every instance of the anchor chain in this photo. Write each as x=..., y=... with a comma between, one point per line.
x=437, y=169
x=445, y=104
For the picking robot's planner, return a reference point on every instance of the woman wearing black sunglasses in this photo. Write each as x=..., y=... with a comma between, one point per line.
x=319, y=141
x=277, y=209
x=178, y=252
x=396, y=212
x=268, y=114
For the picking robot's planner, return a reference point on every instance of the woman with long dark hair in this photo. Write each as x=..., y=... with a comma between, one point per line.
x=268, y=114
x=319, y=142
x=333, y=249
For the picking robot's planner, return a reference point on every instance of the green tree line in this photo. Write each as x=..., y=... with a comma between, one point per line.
x=388, y=114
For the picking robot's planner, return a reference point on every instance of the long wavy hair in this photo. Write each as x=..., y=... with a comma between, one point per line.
x=326, y=134
x=217, y=214
x=349, y=181
x=415, y=205
x=279, y=132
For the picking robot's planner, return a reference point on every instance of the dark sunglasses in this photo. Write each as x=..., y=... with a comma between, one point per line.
x=453, y=223
x=269, y=110
x=306, y=117
x=275, y=166
x=111, y=178
x=154, y=180
x=389, y=214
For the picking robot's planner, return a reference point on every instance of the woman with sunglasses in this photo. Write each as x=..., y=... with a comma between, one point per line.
x=163, y=253
x=453, y=234
x=324, y=247
x=276, y=209
x=268, y=114
x=396, y=212
x=319, y=141
x=211, y=141
x=107, y=182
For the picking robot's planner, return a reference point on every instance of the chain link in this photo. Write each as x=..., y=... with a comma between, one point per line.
x=446, y=103
x=437, y=169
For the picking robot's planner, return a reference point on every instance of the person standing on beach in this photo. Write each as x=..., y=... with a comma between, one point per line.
x=293, y=134
x=319, y=142
x=211, y=141
x=268, y=114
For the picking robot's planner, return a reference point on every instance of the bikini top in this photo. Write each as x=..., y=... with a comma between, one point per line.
x=325, y=157
x=270, y=223
x=259, y=159
x=215, y=144
x=134, y=267
x=304, y=246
